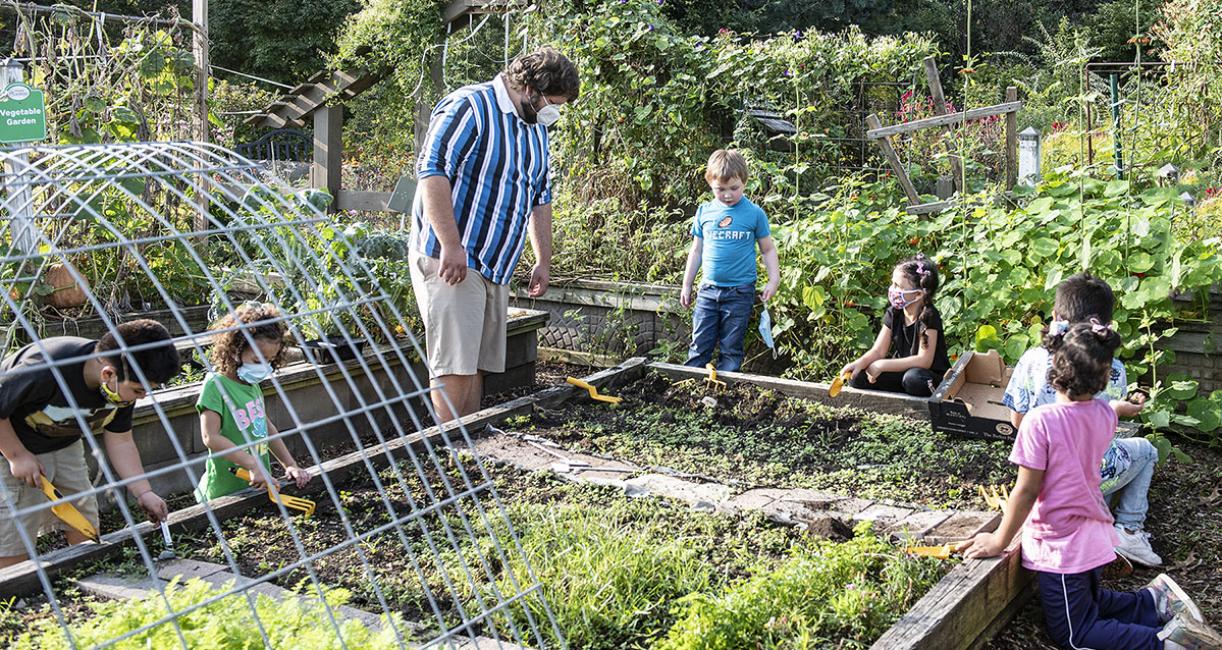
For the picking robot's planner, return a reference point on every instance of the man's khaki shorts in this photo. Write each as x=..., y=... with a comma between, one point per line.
x=464, y=323
x=65, y=469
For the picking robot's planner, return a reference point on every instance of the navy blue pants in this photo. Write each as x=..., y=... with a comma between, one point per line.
x=720, y=320
x=1080, y=613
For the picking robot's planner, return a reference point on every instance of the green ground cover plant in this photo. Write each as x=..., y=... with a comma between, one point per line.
x=617, y=572
x=758, y=438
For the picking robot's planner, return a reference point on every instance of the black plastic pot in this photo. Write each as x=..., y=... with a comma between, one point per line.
x=335, y=348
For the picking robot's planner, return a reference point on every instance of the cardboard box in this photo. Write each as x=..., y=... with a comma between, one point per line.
x=969, y=403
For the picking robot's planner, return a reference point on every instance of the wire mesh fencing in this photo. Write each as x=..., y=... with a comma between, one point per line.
x=218, y=321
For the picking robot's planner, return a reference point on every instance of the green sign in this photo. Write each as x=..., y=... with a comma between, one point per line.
x=23, y=115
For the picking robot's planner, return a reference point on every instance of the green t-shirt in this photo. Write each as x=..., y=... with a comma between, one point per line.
x=243, y=420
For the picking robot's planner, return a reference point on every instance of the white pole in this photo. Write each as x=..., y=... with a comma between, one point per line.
x=199, y=48
x=19, y=200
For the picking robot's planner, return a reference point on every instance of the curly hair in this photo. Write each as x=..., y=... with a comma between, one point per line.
x=545, y=70
x=922, y=272
x=262, y=325
x=1082, y=362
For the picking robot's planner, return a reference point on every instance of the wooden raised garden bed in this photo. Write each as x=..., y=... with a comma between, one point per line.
x=302, y=383
x=737, y=475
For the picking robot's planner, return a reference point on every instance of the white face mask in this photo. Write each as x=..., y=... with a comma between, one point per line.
x=548, y=115
x=253, y=373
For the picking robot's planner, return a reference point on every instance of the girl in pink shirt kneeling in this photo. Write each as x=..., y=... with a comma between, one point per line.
x=1068, y=536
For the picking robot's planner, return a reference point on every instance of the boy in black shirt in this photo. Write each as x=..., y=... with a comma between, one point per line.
x=40, y=423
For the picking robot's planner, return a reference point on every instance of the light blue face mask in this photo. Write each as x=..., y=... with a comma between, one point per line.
x=1058, y=327
x=253, y=373
x=766, y=331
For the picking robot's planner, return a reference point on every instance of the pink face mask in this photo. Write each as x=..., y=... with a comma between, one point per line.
x=900, y=299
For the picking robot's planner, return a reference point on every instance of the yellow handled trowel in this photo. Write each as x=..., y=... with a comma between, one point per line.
x=594, y=395
x=838, y=383
x=68, y=512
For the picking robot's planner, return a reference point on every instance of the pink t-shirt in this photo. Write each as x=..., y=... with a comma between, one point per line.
x=1069, y=529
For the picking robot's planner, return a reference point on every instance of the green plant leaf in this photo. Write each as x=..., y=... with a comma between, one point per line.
x=1044, y=247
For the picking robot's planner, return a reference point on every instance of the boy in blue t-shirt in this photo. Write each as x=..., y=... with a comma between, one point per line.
x=724, y=236
x=1127, y=466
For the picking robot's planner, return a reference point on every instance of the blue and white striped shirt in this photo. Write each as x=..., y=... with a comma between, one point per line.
x=498, y=166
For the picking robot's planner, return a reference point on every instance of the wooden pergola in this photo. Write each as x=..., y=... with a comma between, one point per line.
x=320, y=99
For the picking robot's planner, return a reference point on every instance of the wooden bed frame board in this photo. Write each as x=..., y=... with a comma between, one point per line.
x=961, y=611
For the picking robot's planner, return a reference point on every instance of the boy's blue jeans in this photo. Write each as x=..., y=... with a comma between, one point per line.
x=1132, y=485
x=720, y=319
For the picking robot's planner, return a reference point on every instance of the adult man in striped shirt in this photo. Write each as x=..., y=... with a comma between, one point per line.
x=484, y=186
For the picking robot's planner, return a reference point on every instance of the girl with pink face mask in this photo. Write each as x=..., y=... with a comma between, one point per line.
x=909, y=354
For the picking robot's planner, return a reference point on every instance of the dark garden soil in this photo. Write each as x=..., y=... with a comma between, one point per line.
x=761, y=438
x=1186, y=523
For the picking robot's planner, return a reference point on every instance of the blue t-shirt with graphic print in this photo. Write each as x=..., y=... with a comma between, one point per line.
x=1029, y=388
x=730, y=233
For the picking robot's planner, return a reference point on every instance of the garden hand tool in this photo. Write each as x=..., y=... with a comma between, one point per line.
x=712, y=378
x=838, y=383
x=937, y=552
x=995, y=496
x=593, y=391
x=68, y=512
x=168, y=553
x=295, y=503
x=766, y=331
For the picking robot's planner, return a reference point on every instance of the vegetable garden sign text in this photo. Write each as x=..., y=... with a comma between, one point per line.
x=23, y=116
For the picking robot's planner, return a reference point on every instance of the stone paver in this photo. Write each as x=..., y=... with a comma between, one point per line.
x=820, y=512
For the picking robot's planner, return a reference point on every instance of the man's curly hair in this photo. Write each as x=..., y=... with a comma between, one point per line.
x=1082, y=362
x=228, y=346
x=546, y=71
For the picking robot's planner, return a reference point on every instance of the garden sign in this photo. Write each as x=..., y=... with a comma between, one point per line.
x=23, y=116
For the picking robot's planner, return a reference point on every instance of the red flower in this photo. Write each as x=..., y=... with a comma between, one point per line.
x=1211, y=192
x=1059, y=126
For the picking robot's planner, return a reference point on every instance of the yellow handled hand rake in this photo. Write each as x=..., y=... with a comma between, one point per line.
x=712, y=378
x=995, y=496
x=273, y=494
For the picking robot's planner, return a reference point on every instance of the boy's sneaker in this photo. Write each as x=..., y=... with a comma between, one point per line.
x=1136, y=547
x=1170, y=600
x=1184, y=633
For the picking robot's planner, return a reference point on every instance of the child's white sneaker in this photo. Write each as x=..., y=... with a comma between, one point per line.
x=1136, y=547
x=1184, y=633
x=1170, y=599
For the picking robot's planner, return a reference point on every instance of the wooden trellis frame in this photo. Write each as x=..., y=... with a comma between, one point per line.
x=946, y=120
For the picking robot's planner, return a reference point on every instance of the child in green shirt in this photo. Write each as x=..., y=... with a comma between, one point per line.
x=231, y=407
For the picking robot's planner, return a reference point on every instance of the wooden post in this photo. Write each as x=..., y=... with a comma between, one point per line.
x=19, y=199
x=199, y=48
x=939, y=107
x=893, y=159
x=328, y=151
x=1011, y=140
